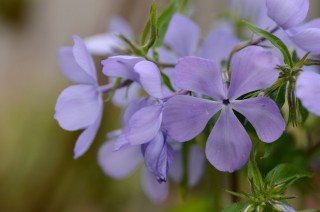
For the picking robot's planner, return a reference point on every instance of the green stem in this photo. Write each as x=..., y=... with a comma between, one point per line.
x=246, y=44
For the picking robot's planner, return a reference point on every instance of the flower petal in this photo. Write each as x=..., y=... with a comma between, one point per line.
x=77, y=107
x=182, y=35
x=307, y=36
x=71, y=68
x=288, y=13
x=118, y=25
x=144, y=125
x=149, y=78
x=176, y=168
x=253, y=68
x=200, y=75
x=308, y=91
x=229, y=145
x=158, y=156
x=218, y=45
x=87, y=137
x=104, y=44
x=264, y=115
x=184, y=117
x=123, y=96
x=196, y=164
x=83, y=57
x=157, y=192
x=121, y=66
x=121, y=163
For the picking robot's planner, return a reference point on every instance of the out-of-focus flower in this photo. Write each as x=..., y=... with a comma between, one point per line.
x=109, y=43
x=79, y=106
x=308, y=91
x=290, y=14
x=228, y=146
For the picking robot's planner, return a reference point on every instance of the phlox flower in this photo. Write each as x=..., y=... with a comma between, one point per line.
x=109, y=43
x=290, y=14
x=216, y=45
x=79, y=106
x=308, y=91
x=228, y=146
x=119, y=161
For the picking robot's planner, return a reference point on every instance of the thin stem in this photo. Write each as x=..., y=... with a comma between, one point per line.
x=234, y=187
x=246, y=44
x=108, y=88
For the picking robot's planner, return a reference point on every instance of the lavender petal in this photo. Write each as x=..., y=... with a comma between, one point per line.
x=182, y=35
x=288, y=13
x=264, y=115
x=149, y=78
x=184, y=117
x=228, y=146
x=253, y=68
x=200, y=75
x=118, y=164
x=77, y=107
x=144, y=125
x=308, y=91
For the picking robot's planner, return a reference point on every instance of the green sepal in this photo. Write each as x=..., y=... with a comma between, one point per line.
x=279, y=95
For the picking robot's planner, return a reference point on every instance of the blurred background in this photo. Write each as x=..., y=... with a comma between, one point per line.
x=37, y=170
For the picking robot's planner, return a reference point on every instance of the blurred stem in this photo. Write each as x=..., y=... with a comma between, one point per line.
x=246, y=44
x=234, y=186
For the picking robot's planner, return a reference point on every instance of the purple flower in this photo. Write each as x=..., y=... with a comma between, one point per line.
x=290, y=14
x=228, y=146
x=79, y=106
x=118, y=158
x=122, y=162
x=217, y=45
x=122, y=67
x=109, y=43
x=308, y=91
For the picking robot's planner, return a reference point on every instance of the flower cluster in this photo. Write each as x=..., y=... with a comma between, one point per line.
x=218, y=89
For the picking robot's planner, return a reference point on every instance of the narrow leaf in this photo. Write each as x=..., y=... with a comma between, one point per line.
x=274, y=40
x=164, y=20
x=285, y=175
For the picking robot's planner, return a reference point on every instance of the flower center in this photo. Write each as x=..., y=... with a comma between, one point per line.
x=226, y=101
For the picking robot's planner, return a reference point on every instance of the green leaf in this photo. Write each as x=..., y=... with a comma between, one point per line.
x=279, y=95
x=303, y=59
x=164, y=20
x=267, y=150
x=150, y=32
x=284, y=175
x=303, y=113
x=240, y=207
x=274, y=40
x=166, y=80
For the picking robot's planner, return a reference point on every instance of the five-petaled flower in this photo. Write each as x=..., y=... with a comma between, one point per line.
x=228, y=146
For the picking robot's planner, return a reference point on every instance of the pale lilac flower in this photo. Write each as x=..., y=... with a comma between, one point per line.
x=79, y=106
x=228, y=146
x=122, y=67
x=217, y=45
x=308, y=91
x=118, y=158
x=120, y=163
x=109, y=43
x=290, y=14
